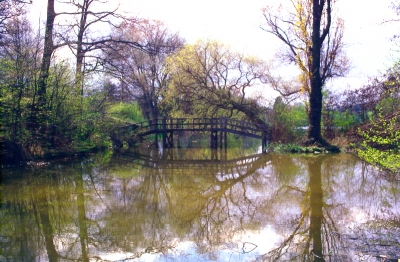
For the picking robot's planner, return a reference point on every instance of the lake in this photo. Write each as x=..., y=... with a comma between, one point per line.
x=200, y=204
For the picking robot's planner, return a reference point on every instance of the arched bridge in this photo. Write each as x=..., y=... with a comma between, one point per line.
x=218, y=128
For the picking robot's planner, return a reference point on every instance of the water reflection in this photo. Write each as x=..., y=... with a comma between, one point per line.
x=314, y=236
x=200, y=205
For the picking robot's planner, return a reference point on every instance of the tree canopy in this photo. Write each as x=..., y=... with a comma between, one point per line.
x=209, y=79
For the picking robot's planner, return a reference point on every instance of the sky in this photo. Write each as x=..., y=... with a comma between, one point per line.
x=237, y=23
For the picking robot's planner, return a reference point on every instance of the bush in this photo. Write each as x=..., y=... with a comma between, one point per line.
x=287, y=121
x=381, y=141
x=126, y=112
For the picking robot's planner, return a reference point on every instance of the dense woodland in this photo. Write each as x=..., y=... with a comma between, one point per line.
x=53, y=104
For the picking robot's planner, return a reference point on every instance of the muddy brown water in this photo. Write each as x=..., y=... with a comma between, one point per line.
x=200, y=205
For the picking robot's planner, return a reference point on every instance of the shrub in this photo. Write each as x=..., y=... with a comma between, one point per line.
x=126, y=112
x=381, y=141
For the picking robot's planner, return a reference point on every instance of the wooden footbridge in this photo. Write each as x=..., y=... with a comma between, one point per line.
x=217, y=127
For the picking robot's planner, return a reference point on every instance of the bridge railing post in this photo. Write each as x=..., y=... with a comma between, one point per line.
x=220, y=132
x=213, y=133
x=264, y=142
x=164, y=132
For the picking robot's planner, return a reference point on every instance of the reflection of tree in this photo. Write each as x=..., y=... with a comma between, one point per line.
x=127, y=205
x=316, y=216
x=49, y=206
x=38, y=209
x=226, y=208
x=43, y=221
x=16, y=241
x=136, y=216
x=189, y=199
x=315, y=236
x=82, y=221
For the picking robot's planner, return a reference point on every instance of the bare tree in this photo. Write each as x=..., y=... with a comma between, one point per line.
x=141, y=73
x=315, y=44
x=81, y=36
x=9, y=9
x=380, y=95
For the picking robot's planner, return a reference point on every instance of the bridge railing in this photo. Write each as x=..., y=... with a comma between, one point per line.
x=241, y=126
x=148, y=126
x=197, y=124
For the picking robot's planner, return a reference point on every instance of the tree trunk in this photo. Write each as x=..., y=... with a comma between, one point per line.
x=47, y=53
x=80, y=53
x=38, y=116
x=314, y=115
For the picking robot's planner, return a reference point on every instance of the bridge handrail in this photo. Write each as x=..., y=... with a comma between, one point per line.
x=197, y=121
x=216, y=124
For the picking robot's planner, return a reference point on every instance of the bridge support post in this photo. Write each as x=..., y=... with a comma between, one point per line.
x=178, y=144
x=168, y=137
x=220, y=132
x=218, y=136
x=157, y=133
x=222, y=139
x=264, y=143
x=214, y=139
x=213, y=134
x=164, y=132
x=214, y=154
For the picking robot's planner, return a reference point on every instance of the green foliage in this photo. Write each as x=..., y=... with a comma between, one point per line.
x=67, y=123
x=126, y=112
x=298, y=115
x=293, y=148
x=380, y=144
x=344, y=120
x=389, y=105
x=386, y=159
x=90, y=128
x=287, y=120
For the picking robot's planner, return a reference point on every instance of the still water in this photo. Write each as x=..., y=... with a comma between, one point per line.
x=200, y=205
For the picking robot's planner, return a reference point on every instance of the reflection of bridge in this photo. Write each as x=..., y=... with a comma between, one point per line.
x=218, y=164
x=218, y=128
